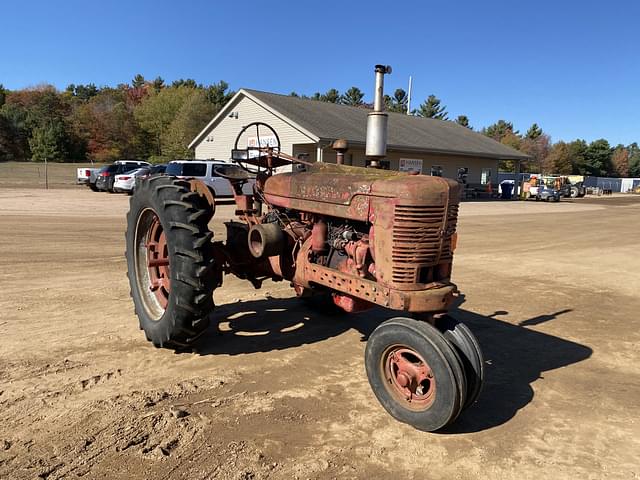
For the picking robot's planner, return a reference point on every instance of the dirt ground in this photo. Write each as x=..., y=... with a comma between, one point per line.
x=279, y=391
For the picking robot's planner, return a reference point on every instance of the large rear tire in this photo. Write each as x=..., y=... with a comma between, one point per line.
x=415, y=374
x=170, y=261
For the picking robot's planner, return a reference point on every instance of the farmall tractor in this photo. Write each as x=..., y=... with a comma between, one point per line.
x=356, y=237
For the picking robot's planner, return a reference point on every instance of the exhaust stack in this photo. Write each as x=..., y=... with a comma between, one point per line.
x=377, y=121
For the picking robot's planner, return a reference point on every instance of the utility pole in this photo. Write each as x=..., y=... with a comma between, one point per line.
x=409, y=98
x=46, y=174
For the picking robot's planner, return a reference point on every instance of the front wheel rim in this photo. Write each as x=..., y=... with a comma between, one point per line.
x=408, y=377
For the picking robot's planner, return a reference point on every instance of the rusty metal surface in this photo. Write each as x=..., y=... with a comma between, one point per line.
x=436, y=297
x=409, y=377
x=199, y=187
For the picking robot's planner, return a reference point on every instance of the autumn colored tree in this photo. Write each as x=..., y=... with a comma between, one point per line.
x=558, y=160
x=620, y=161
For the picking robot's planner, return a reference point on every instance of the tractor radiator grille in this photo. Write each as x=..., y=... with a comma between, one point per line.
x=421, y=238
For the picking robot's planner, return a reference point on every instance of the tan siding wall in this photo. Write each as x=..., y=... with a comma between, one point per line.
x=219, y=142
x=449, y=163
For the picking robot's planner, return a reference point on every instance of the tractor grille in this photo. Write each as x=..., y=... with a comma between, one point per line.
x=421, y=238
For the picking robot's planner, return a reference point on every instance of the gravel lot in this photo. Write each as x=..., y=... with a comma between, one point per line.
x=279, y=391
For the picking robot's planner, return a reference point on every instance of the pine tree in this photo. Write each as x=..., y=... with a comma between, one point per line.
x=352, y=97
x=138, y=81
x=431, y=108
x=464, y=121
x=534, y=132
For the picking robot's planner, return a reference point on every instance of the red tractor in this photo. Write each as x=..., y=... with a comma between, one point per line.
x=357, y=237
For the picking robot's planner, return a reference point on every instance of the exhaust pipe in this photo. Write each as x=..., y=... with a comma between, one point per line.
x=376, y=148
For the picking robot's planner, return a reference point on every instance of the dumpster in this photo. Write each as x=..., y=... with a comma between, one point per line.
x=506, y=187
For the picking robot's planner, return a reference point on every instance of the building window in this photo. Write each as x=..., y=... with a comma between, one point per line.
x=485, y=177
x=436, y=170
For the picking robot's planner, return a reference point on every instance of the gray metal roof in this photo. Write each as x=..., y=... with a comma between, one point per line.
x=330, y=121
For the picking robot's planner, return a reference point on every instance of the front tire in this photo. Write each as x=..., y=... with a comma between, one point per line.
x=415, y=374
x=170, y=261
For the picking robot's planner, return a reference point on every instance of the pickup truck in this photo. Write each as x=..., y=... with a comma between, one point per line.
x=83, y=175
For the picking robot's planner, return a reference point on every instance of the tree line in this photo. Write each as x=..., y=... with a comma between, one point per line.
x=137, y=120
x=151, y=120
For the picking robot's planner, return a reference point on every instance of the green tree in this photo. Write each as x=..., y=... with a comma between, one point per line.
x=597, y=161
x=397, y=103
x=156, y=113
x=138, y=81
x=431, y=108
x=82, y=92
x=191, y=118
x=48, y=142
x=3, y=95
x=332, y=96
x=189, y=82
x=464, y=121
x=577, y=151
x=352, y=97
x=534, y=132
x=634, y=160
x=218, y=94
x=499, y=130
x=158, y=83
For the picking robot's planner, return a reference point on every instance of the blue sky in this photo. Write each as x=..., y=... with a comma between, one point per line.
x=571, y=66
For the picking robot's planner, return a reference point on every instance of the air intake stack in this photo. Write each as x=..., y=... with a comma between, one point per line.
x=377, y=121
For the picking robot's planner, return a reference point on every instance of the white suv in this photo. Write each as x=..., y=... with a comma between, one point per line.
x=205, y=170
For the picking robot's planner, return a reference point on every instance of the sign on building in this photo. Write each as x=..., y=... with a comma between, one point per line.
x=266, y=141
x=410, y=165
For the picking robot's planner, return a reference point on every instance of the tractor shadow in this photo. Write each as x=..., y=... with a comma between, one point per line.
x=515, y=356
x=278, y=323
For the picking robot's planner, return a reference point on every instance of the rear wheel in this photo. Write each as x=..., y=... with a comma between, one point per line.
x=170, y=261
x=415, y=374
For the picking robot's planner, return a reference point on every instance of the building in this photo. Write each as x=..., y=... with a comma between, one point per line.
x=308, y=127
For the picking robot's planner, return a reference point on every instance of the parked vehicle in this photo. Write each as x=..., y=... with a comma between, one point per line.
x=547, y=194
x=155, y=170
x=95, y=172
x=126, y=182
x=106, y=177
x=205, y=170
x=84, y=174
x=93, y=177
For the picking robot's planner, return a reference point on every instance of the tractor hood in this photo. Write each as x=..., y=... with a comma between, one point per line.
x=341, y=185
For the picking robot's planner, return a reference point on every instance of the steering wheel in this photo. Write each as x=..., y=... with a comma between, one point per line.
x=253, y=152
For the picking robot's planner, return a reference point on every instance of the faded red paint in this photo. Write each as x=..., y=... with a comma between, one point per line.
x=401, y=260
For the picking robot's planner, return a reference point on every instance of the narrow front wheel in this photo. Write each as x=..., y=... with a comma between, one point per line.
x=415, y=374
